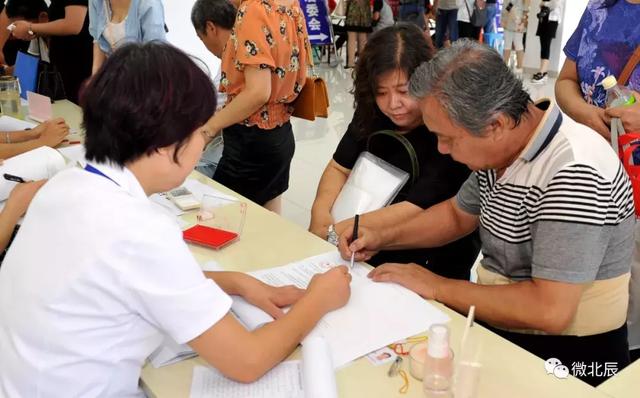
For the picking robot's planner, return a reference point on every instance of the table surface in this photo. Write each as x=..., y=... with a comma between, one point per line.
x=269, y=240
x=625, y=384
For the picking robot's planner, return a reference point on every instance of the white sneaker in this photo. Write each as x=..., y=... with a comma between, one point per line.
x=519, y=72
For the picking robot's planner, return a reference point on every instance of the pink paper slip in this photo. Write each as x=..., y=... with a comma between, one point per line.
x=40, y=108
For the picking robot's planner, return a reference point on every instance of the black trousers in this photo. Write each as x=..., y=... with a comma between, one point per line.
x=545, y=47
x=466, y=29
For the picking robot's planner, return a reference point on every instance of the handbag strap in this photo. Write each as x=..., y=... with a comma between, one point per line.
x=629, y=67
x=310, y=63
x=467, y=5
x=415, y=167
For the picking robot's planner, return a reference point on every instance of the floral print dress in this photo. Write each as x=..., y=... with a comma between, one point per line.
x=270, y=36
x=602, y=44
x=359, y=16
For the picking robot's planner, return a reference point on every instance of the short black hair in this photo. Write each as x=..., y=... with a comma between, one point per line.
x=145, y=97
x=220, y=12
x=27, y=9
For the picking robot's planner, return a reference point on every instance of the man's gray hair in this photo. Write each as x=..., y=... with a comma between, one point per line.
x=219, y=12
x=473, y=85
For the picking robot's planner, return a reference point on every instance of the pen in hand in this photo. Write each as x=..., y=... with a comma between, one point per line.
x=354, y=237
x=11, y=177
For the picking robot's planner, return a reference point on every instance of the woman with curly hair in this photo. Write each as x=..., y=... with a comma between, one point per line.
x=383, y=102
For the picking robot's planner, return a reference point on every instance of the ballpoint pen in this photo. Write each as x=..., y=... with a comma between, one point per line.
x=11, y=177
x=354, y=237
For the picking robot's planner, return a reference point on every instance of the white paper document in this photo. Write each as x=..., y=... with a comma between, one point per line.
x=313, y=377
x=170, y=352
x=37, y=164
x=8, y=123
x=283, y=381
x=376, y=315
x=74, y=154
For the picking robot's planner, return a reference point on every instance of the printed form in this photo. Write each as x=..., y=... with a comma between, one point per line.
x=376, y=315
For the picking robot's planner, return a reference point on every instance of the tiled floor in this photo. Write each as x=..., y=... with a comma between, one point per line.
x=316, y=141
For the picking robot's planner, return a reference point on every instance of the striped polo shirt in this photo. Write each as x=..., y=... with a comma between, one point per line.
x=563, y=211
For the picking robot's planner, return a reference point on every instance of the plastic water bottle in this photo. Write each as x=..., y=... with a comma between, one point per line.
x=438, y=365
x=617, y=95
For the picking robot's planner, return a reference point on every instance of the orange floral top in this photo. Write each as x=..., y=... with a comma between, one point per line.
x=267, y=35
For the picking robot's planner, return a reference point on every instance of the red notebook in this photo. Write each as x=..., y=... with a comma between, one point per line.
x=209, y=237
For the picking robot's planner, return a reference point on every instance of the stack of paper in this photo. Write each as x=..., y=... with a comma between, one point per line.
x=282, y=381
x=313, y=377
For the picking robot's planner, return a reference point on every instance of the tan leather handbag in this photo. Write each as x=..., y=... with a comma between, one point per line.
x=313, y=100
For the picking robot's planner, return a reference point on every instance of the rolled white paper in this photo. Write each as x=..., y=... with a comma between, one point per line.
x=318, y=376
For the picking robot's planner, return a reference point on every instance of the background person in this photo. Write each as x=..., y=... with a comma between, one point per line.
x=358, y=24
x=601, y=45
x=514, y=19
x=465, y=27
x=492, y=11
x=70, y=44
x=549, y=17
x=213, y=21
x=382, y=16
x=34, y=11
x=115, y=22
x=446, y=13
x=264, y=67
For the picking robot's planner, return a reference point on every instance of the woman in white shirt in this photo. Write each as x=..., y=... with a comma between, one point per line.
x=98, y=273
x=465, y=27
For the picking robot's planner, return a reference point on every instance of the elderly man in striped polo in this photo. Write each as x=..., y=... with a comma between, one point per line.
x=555, y=212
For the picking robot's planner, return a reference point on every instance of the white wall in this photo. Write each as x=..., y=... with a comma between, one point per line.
x=182, y=35
x=573, y=10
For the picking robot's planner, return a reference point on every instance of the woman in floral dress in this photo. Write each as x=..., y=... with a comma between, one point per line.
x=357, y=25
x=263, y=71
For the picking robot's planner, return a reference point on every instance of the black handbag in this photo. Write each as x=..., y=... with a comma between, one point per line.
x=480, y=15
x=49, y=79
x=50, y=82
x=544, y=13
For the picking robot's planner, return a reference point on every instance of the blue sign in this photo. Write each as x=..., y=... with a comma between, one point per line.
x=318, y=22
